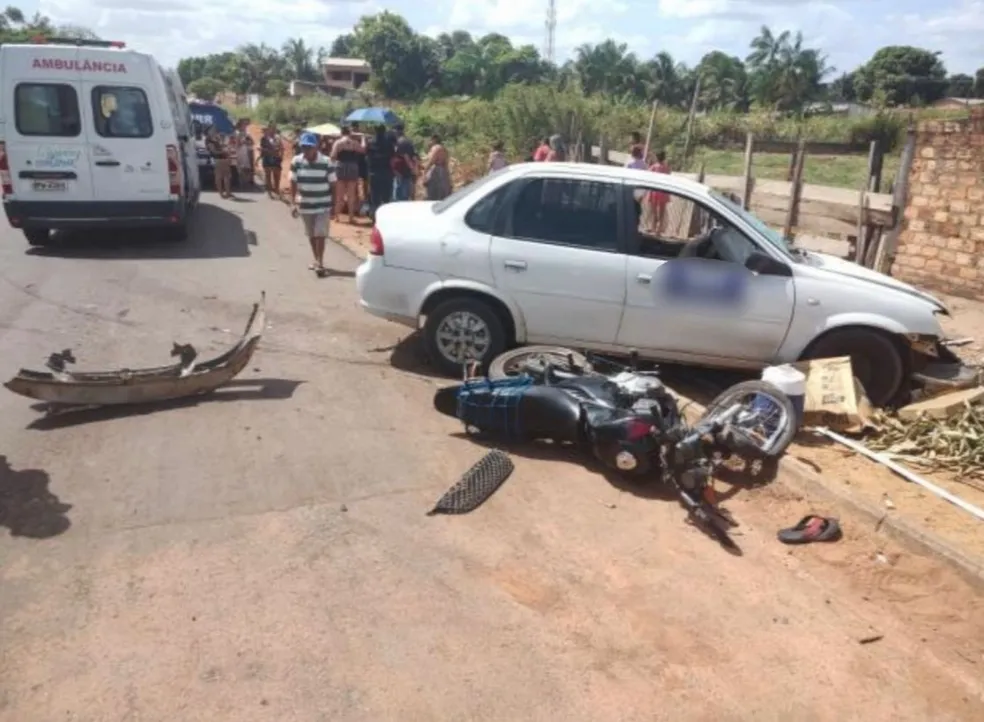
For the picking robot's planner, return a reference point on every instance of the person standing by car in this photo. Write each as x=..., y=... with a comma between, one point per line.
x=244, y=156
x=658, y=199
x=497, y=158
x=345, y=154
x=272, y=154
x=379, y=154
x=312, y=181
x=437, y=176
x=405, y=166
x=542, y=151
x=223, y=163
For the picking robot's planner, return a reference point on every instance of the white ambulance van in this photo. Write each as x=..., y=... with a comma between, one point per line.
x=93, y=136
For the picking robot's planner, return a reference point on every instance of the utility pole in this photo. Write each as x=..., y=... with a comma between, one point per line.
x=551, y=30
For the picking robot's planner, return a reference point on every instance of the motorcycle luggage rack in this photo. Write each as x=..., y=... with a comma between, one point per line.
x=493, y=404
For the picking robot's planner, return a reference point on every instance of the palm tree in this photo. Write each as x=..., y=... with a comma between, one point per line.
x=606, y=68
x=783, y=74
x=299, y=59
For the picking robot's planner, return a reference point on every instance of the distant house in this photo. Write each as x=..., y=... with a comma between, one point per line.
x=958, y=103
x=343, y=74
x=851, y=110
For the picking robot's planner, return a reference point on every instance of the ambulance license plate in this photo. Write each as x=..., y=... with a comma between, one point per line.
x=49, y=185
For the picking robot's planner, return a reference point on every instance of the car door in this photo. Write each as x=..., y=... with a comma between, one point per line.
x=129, y=156
x=47, y=149
x=559, y=256
x=693, y=299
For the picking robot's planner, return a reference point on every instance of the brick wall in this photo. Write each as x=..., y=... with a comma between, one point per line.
x=941, y=244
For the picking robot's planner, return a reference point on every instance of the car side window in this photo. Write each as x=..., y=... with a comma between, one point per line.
x=570, y=212
x=668, y=225
x=482, y=216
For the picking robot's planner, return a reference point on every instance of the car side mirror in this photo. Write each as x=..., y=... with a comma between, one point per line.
x=765, y=265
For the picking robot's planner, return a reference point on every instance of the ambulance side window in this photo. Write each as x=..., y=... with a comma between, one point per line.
x=47, y=109
x=121, y=112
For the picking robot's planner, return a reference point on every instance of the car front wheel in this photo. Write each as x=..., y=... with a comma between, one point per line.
x=876, y=360
x=460, y=330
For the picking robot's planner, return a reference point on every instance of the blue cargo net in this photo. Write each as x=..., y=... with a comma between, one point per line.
x=493, y=405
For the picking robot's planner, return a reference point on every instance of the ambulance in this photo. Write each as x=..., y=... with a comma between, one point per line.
x=93, y=136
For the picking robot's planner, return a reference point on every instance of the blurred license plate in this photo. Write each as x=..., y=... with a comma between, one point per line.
x=53, y=185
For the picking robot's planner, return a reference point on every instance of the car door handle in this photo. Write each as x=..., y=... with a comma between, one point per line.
x=515, y=265
x=107, y=162
x=644, y=278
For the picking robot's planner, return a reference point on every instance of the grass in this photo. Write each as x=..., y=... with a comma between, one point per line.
x=842, y=171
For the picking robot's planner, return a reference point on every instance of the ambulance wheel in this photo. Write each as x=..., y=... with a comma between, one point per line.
x=37, y=236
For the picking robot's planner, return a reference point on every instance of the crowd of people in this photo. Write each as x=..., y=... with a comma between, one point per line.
x=358, y=172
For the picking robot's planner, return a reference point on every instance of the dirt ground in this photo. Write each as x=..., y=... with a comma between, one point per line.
x=265, y=554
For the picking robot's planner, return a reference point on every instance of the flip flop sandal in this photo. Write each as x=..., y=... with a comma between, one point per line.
x=321, y=272
x=811, y=528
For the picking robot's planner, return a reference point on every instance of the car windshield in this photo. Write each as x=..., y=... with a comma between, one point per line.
x=769, y=234
x=462, y=192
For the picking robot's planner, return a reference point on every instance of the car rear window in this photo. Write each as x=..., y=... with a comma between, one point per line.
x=47, y=109
x=462, y=192
x=121, y=112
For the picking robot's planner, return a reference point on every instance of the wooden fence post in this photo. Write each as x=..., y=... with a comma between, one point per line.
x=900, y=192
x=794, y=192
x=746, y=195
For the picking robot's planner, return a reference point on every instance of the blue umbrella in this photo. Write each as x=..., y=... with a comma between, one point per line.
x=384, y=116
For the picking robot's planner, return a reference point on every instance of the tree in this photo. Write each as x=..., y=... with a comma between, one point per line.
x=902, y=75
x=205, y=88
x=784, y=75
x=16, y=28
x=960, y=86
x=403, y=64
x=723, y=82
x=299, y=59
x=842, y=89
x=342, y=46
x=607, y=68
x=664, y=80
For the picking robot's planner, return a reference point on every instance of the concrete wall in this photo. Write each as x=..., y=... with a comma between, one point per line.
x=941, y=244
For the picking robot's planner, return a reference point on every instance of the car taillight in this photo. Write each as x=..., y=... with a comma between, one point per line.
x=173, y=170
x=8, y=188
x=375, y=242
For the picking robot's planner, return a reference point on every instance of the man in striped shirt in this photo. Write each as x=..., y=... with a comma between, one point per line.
x=312, y=181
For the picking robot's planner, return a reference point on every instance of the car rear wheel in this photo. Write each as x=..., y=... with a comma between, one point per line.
x=463, y=329
x=37, y=236
x=876, y=360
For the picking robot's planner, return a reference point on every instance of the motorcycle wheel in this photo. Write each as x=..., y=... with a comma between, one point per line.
x=517, y=360
x=748, y=441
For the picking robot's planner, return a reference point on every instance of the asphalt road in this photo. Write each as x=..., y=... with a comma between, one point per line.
x=265, y=554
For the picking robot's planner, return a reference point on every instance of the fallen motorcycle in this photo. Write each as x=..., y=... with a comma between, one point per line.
x=629, y=422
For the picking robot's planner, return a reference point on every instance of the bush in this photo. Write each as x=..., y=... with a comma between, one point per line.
x=521, y=114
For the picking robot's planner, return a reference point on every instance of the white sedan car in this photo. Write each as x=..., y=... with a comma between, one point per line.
x=558, y=253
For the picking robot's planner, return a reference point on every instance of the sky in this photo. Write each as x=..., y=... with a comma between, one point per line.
x=849, y=31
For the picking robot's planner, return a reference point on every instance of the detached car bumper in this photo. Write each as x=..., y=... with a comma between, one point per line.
x=78, y=215
x=946, y=372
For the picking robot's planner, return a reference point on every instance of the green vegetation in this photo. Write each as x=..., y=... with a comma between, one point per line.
x=474, y=91
x=15, y=27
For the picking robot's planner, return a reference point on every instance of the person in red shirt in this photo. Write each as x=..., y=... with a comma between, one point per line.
x=658, y=199
x=542, y=151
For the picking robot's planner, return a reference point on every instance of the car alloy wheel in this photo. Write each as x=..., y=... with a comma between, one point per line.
x=463, y=336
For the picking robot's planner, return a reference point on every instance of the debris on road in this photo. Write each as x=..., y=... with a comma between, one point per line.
x=187, y=377
x=954, y=443
x=871, y=638
x=905, y=473
x=476, y=485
